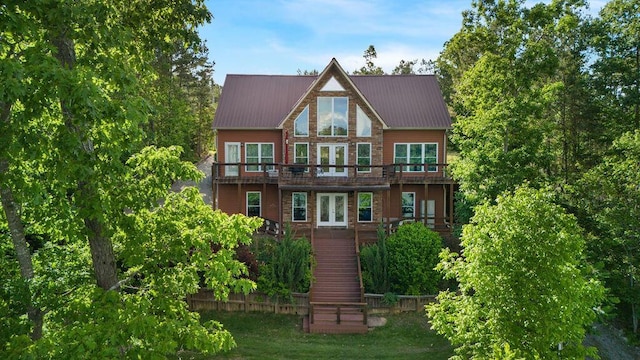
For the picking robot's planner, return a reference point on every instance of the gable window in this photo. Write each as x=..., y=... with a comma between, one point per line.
x=416, y=155
x=254, y=202
x=333, y=116
x=258, y=153
x=299, y=202
x=332, y=85
x=409, y=204
x=364, y=157
x=365, y=207
x=301, y=125
x=363, y=123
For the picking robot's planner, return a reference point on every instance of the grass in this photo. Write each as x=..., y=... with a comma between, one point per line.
x=271, y=336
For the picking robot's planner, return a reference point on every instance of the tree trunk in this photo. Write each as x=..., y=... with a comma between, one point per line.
x=102, y=255
x=19, y=240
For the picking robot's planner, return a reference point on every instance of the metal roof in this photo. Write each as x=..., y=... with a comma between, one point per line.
x=263, y=101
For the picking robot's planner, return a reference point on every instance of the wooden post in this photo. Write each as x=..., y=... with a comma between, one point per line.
x=388, y=211
x=451, y=207
x=214, y=185
x=356, y=209
x=426, y=201
x=240, y=200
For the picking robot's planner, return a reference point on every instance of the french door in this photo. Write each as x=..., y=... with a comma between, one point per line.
x=331, y=157
x=332, y=209
x=231, y=155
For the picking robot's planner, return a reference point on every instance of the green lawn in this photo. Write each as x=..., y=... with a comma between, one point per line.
x=270, y=336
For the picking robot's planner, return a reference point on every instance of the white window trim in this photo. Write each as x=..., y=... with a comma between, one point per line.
x=332, y=120
x=371, y=208
x=358, y=157
x=273, y=151
x=422, y=156
x=402, y=204
x=247, y=201
x=306, y=207
x=295, y=153
x=295, y=121
x=332, y=167
x=367, y=118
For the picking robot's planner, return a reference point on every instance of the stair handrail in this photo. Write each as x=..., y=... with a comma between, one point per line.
x=362, y=300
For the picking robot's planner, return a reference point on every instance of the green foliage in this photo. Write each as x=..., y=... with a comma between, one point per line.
x=609, y=195
x=374, y=262
x=182, y=101
x=524, y=288
x=73, y=112
x=370, y=68
x=14, y=293
x=413, y=254
x=286, y=267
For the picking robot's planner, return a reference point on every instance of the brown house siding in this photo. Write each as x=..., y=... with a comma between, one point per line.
x=413, y=136
x=231, y=200
x=411, y=106
x=434, y=192
x=249, y=136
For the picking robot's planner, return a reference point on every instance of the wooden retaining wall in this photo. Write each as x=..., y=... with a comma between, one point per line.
x=299, y=304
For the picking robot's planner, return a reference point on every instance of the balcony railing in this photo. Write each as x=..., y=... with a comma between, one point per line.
x=278, y=173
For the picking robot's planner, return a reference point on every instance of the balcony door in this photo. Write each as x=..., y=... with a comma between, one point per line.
x=332, y=209
x=331, y=157
x=231, y=155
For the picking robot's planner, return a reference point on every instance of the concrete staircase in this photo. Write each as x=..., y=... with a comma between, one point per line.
x=336, y=298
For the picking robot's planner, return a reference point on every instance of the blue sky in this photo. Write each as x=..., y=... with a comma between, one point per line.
x=278, y=37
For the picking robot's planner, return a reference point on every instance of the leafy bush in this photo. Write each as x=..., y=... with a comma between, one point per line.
x=286, y=268
x=413, y=254
x=374, y=262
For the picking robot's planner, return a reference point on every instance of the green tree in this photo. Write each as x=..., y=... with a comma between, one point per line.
x=286, y=267
x=523, y=287
x=406, y=67
x=182, y=101
x=616, y=72
x=610, y=196
x=514, y=77
x=113, y=264
x=374, y=260
x=412, y=252
x=370, y=68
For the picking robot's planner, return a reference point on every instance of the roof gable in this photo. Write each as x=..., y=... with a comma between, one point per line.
x=328, y=80
x=266, y=101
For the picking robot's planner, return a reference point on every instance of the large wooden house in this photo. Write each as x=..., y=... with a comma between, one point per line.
x=335, y=156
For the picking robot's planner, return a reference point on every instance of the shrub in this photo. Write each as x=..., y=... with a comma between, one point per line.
x=374, y=262
x=413, y=254
x=287, y=268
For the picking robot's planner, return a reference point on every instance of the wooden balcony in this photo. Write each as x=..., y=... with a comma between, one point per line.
x=296, y=176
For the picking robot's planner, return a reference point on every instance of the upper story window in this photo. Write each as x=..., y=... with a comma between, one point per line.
x=256, y=154
x=417, y=155
x=363, y=123
x=333, y=117
x=301, y=125
x=363, y=157
x=301, y=153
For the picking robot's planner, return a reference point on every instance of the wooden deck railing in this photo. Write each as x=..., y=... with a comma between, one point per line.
x=279, y=173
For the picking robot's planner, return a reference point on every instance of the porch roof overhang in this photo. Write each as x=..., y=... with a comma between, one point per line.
x=333, y=188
